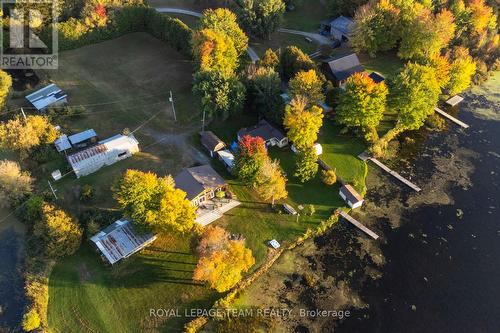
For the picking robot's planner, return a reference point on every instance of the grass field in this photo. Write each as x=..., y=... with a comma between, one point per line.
x=306, y=16
x=125, y=89
x=281, y=40
x=86, y=296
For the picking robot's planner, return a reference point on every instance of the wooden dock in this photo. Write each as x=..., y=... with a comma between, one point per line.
x=453, y=119
x=364, y=156
x=395, y=174
x=358, y=225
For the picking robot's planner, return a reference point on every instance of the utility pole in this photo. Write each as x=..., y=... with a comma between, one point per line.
x=24, y=114
x=171, y=99
x=52, y=189
x=203, y=122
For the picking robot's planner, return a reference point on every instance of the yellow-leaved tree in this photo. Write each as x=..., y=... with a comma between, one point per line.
x=223, y=261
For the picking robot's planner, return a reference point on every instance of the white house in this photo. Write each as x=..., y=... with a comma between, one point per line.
x=350, y=196
x=50, y=95
x=106, y=152
x=119, y=241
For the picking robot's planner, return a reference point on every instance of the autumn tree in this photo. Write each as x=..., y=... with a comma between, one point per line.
x=414, y=94
x=5, y=88
x=23, y=135
x=261, y=17
x=215, y=51
x=153, y=202
x=59, y=234
x=328, y=177
x=302, y=124
x=442, y=68
x=292, y=61
x=270, y=182
x=362, y=104
x=222, y=267
x=462, y=69
x=376, y=27
x=269, y=59
x=306, y=164
x=251, y=155
x=224, y=21
x=264, y=88
x=14, y=183
x=308, y=85
x=213, y=238
x=481, y=16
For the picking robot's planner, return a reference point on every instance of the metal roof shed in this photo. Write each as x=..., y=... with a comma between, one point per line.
x=119, y=241
x=82, y=136
x=62, y=143
x=47, y=96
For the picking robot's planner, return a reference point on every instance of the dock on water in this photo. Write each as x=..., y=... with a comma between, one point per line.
x=453, y=119
x=358, y=225
x=364, y=156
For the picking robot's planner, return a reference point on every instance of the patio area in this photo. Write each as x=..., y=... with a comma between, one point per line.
x=213, y=209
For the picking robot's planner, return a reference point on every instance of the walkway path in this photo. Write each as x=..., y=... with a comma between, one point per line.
x=250, y=51
x=322, y=40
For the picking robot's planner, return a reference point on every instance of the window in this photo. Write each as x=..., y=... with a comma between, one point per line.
x=122, y=154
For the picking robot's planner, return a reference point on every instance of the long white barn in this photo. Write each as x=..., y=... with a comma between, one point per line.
x=105, y=152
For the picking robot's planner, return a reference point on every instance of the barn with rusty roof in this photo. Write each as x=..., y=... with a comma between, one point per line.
x=105, y=152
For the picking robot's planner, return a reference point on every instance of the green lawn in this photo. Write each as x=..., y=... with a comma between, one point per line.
x=306, y=16
x=281, y=40
x=86, y=296
x=340, y=152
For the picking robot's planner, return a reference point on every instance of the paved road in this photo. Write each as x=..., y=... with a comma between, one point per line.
x=251, y=52
x=317, y=37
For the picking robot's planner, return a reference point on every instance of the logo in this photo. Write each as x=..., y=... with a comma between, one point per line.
x=22, y=46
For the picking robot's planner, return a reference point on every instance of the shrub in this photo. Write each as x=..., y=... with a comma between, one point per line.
x=309, y=210
x=31, y=320
x=86, y=193
x=328, y=177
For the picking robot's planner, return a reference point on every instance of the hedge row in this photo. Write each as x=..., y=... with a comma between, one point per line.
x=74, y=33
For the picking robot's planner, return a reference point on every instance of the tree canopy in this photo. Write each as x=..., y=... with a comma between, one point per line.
x=222, y=261
x=270, y=182
x=5, y=87
x=153, y=202
x=362, y=104
x=23, y=135
x=264, y=89
x=251, y=155
x=302, y=123
x=462, y=69
x=223, y=20
x=261, y=17
x=413, y=94
x=309, y=85
x=215, y=51
x=60, y=235
x=14, y=183
x=292, y=61
x=306, y=164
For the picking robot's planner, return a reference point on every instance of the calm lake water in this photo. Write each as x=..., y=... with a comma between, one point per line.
x=443, y=268
x=12, y=300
